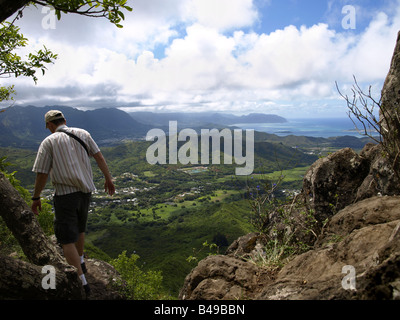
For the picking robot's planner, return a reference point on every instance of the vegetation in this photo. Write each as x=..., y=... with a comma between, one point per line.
x=136, y=284
x=288, y=226
x=11, y=40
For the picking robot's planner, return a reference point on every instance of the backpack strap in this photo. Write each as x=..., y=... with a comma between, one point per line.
x=77, y=139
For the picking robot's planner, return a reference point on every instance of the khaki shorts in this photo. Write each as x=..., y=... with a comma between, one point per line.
x=71, y=213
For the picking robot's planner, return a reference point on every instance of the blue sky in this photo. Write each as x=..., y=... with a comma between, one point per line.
x=238, y=56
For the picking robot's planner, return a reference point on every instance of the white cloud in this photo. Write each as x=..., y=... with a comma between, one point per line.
x=369, y=59
x=222, y=14
x=203, y=66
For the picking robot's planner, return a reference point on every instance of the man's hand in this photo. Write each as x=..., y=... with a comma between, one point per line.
x=35, y=205
x=109, y=187
x=101, y=162
x=40, y=182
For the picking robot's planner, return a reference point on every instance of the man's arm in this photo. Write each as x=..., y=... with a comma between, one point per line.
x=40, y=183
x=101, y=163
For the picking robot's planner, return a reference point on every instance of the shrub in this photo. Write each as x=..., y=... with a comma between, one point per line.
x=136, y=284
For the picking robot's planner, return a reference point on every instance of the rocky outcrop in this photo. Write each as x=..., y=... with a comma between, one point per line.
x=369, y=228
x=390, y=99
x=332, y=182
x=221, y=277
x=345, y=177
x=356, y=257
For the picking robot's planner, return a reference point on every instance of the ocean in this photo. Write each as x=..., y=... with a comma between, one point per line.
x=321, y=127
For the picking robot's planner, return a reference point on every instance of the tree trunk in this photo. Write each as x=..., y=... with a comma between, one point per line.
x=24, y=279
x=9, y=7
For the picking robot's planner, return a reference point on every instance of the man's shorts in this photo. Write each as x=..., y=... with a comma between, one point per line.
x=71, y=213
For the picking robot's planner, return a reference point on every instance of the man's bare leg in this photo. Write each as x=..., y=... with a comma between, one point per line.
x=72, y=256
x=80, y=243
x=79, y=247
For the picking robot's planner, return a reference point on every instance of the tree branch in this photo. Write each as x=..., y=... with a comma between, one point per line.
x=8, y=8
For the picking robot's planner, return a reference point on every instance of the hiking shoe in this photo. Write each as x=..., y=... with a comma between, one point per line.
x=83, y=266
x=87, y=290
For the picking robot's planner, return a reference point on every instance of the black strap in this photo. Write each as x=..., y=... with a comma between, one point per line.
x=77, y=139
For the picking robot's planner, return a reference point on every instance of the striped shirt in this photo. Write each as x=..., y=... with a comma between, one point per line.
x=66, y=161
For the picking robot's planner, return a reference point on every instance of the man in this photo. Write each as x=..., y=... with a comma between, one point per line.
x=66, y=160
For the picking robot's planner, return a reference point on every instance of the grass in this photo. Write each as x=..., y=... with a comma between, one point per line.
x=294, y=174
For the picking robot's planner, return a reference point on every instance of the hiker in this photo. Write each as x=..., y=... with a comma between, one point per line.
x=64, y=155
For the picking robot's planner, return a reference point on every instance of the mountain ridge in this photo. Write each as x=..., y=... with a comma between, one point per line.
x=23, y=126
x=194, y=118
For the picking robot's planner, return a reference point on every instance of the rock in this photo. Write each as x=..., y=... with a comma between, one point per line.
x=363, y=238
x=390, y=99
x=332, y=182
x=344, y=177
x=101, y=277
x=373, y=211
x=389, y=112
x=246, y=246
x=381, y=179
x=370, y=229
x=221, y=278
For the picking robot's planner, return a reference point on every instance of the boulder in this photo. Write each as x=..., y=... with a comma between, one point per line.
x=331, y=183
x=344, y=177
x=221, y=278
x=101, y=277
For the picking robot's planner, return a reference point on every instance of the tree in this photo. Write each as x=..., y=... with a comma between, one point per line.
x=109, y=9
x=11, y=64
x=22, y=279
x=11, y=39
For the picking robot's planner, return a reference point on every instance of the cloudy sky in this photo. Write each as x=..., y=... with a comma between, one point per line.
x=237, y=56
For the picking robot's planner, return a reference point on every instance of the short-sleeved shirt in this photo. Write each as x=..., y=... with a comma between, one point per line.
x=66, y=161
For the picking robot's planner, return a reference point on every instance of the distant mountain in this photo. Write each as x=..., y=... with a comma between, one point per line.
x=260, y=118
x=197, y=119
x=24, y=127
